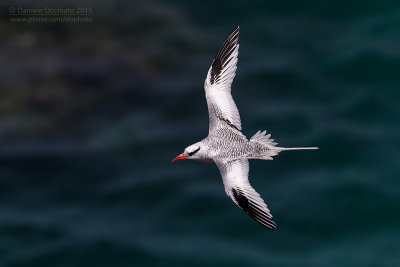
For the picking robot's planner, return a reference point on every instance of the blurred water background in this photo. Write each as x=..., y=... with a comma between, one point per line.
x=91, y=115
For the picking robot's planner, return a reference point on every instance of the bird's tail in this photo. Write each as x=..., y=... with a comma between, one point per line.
x=296, y=148
x=262, y=138
x=273, y=150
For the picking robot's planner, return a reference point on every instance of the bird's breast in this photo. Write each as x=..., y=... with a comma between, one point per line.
x=228, y=149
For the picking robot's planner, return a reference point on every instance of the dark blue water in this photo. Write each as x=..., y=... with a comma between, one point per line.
x=91, y=115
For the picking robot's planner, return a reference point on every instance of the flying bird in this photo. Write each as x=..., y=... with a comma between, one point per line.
x=225, y=144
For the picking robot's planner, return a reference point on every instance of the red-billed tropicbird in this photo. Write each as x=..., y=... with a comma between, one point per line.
x=225, y=144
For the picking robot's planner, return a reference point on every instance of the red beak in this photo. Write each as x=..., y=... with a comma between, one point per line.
x=181, y=156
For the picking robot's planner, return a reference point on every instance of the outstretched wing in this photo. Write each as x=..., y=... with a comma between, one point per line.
x=222, y=109
x=235, y=177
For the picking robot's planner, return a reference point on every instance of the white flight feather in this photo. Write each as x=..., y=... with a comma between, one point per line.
x=219, y=94
x=235, y=175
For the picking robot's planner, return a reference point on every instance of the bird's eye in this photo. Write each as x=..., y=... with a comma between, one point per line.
x=194, y=152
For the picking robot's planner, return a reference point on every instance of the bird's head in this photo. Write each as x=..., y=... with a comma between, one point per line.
x=192, y=152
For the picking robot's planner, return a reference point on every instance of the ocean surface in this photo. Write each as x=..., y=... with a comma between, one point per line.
x=92, y=113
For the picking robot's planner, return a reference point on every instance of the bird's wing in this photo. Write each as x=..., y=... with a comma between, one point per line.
x=235, y=177
x=221, y=107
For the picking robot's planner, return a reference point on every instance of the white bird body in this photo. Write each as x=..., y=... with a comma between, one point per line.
x=225, y=144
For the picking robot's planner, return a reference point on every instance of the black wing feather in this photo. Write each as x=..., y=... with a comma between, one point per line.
x=222, y=57
x=252, y=209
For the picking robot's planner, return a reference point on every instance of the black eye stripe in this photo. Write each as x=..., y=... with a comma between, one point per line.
x=194, y=152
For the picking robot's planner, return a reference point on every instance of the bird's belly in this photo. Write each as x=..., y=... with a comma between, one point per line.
x=232, y=150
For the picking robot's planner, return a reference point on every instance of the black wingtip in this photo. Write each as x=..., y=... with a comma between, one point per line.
x=223, y=54
x=253, y=211
x=235, y=31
